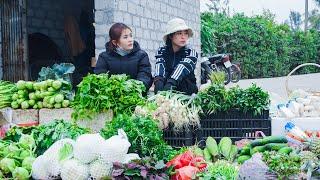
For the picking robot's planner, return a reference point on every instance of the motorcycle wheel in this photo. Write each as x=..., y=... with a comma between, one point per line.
x=235, y=73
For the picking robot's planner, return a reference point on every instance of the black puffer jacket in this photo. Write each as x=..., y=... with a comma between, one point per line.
x=136, y=64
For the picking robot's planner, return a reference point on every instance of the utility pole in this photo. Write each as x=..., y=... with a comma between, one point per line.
x=306, y=14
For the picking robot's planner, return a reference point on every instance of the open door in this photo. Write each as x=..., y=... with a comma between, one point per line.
x=14, y=39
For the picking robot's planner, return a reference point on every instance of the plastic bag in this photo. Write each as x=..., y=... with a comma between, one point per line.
x=115, y=148
x=74, y=170
x=86, y=147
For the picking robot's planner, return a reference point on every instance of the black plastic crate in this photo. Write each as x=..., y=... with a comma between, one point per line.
x=236, y=128
x=185, y=137
x=237, y=114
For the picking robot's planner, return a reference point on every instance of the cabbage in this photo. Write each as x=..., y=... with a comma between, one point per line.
x=56, y=84
x=20, y=173
x=21, y=84
x=29, y=85
x=57, y=105
x=27, y=141
x=15, y=96
x=100, y=169
x=31, y=102
x=1, y=175
x=74, y=170
x=49, y=82
x=7, y=165
x=86, y=147
x=24, y=154
x=51, y=89
x=27, y=163
x=65, y=103
x=13, y=149
x=51, y=101
x=24, y=105
x=40, y=104
x=32, y=96
x=14, y=105
x=59, y=98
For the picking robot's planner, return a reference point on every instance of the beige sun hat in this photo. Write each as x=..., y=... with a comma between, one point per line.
x=175, y=25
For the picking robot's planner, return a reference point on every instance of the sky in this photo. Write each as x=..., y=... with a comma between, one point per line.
x=281, y=8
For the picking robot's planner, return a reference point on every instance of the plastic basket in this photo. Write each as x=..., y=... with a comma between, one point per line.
x=181, y=138
x=289, y=91
x=236, y=127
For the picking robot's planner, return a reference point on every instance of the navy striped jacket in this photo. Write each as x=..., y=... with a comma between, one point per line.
x=178, y=67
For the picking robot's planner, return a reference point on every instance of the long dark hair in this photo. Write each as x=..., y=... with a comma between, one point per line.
x=115, y=34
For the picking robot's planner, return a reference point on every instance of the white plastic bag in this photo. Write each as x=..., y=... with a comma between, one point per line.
x=74, y=170
x=115, y=148
x=86, y=148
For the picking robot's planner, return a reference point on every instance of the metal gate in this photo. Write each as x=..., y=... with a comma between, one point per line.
x=14, y=39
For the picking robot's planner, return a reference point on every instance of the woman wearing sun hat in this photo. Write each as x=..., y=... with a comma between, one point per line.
x=176, y=61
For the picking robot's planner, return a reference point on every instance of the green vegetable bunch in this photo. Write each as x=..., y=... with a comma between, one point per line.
x=98, y=93
x=143, y=133
x=213, y=151
x=7, y=89
x=219, y=99
x=282, y=164
x=221, y=169
x=16, y=158
x=47, y=134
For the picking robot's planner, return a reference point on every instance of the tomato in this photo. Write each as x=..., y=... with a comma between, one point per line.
x=185, y=173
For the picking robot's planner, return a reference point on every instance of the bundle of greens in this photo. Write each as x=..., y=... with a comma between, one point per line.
x=7, y=89
x=217, y=98
x=284, y=165
x=146, y=168
x=171, y=108
x=145, y=137
x=99, y=93
x=45, y=135
x=16, y=158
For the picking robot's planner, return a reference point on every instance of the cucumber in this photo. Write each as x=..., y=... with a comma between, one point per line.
x=206, y=154
x=275, y=146
x=245, y=150
x=211, y=145
x=243, y=158
x=275, y=139
x=257, y=149
x=285, y=150
x=257, y=142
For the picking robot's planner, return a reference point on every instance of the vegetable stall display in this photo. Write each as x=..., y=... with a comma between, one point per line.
x=44, y=94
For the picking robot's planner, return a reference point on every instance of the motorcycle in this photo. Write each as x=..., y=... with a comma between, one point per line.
x=220, y=63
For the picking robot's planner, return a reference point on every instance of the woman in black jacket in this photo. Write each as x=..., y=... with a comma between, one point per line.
x=124, y=56
x=176, y=62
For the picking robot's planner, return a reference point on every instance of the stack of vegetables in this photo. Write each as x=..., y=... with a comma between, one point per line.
x=100, y=93
x=171, y=108
x=269, y=143
x=44, y=94
x=16, y=158
x=46, y=134
x=90, y=156
x=217, y=98
x=7, y=89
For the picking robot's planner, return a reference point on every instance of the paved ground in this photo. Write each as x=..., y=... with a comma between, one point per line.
x=277, y=85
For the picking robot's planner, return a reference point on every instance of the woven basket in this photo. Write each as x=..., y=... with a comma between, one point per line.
x=314, y=93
